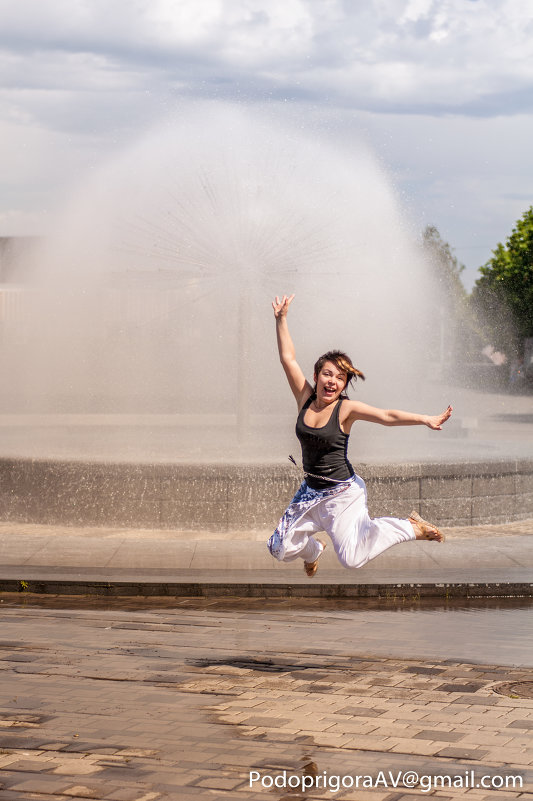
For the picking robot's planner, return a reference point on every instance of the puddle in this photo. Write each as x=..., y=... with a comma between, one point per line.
x=490, y=633
x=485, y=631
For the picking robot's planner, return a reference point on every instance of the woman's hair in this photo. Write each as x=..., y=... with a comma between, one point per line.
x=342, y=362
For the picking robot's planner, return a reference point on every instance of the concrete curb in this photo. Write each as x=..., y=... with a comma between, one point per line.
x=245, y=589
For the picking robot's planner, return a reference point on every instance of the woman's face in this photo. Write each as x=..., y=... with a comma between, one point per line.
x=330, y=382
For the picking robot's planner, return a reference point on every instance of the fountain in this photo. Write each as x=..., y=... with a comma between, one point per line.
x=144, y=386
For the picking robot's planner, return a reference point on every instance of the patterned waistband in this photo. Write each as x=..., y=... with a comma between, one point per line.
x=331, y=480
x=324, y=478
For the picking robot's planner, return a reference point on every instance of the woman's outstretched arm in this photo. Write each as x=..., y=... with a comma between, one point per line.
x=301, y=389
x=395, y=417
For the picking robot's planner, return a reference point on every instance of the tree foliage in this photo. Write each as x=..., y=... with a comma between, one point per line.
x=504, y=293
x=446, y=267
x=456, y=327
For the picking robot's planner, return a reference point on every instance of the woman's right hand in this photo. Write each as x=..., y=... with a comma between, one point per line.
x=281, y=307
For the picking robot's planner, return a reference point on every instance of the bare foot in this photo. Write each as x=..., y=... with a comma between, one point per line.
x=311, y=567
x=425, y=530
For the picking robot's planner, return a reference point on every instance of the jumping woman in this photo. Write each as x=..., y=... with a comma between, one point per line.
x=332, y=498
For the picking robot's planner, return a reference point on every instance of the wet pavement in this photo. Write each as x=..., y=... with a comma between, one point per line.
x=263, y=697
x=232, y=700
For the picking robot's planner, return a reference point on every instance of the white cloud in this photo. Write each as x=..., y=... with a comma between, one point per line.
x=185, y=23
x=81, y=78
x=417, y=54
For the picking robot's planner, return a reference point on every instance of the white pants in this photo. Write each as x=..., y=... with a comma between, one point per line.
x=342, y=513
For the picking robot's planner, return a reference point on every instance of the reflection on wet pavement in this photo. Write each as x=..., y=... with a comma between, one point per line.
x=181, y=699
x=480, y=630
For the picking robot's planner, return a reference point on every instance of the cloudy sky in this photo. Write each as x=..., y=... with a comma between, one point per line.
x=442, y=89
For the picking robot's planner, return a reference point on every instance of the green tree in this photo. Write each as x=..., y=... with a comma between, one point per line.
x=503, y=296
x=456, y=330
x=446, y=267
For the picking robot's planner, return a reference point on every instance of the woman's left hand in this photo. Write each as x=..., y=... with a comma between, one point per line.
x=437, y=420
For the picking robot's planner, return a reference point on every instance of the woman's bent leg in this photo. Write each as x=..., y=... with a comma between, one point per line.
x=375, y=537
x=297, y=541
x=293, y=537
x=356, y=537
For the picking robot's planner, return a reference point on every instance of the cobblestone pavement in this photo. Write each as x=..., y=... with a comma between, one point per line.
x=184, y=701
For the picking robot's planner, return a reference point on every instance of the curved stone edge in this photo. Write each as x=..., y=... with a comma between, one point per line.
x=226, y=497
x=405, y=591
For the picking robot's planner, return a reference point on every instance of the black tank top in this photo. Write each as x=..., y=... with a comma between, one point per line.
x=324, y=450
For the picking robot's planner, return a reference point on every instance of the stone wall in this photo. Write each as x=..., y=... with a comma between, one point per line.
x=233, y=497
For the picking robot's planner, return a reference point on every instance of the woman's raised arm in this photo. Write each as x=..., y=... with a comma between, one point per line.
x=395, y=417
x=301, y=389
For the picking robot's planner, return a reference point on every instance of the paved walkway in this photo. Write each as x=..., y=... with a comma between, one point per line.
x=482, y=560
x=210, y=702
